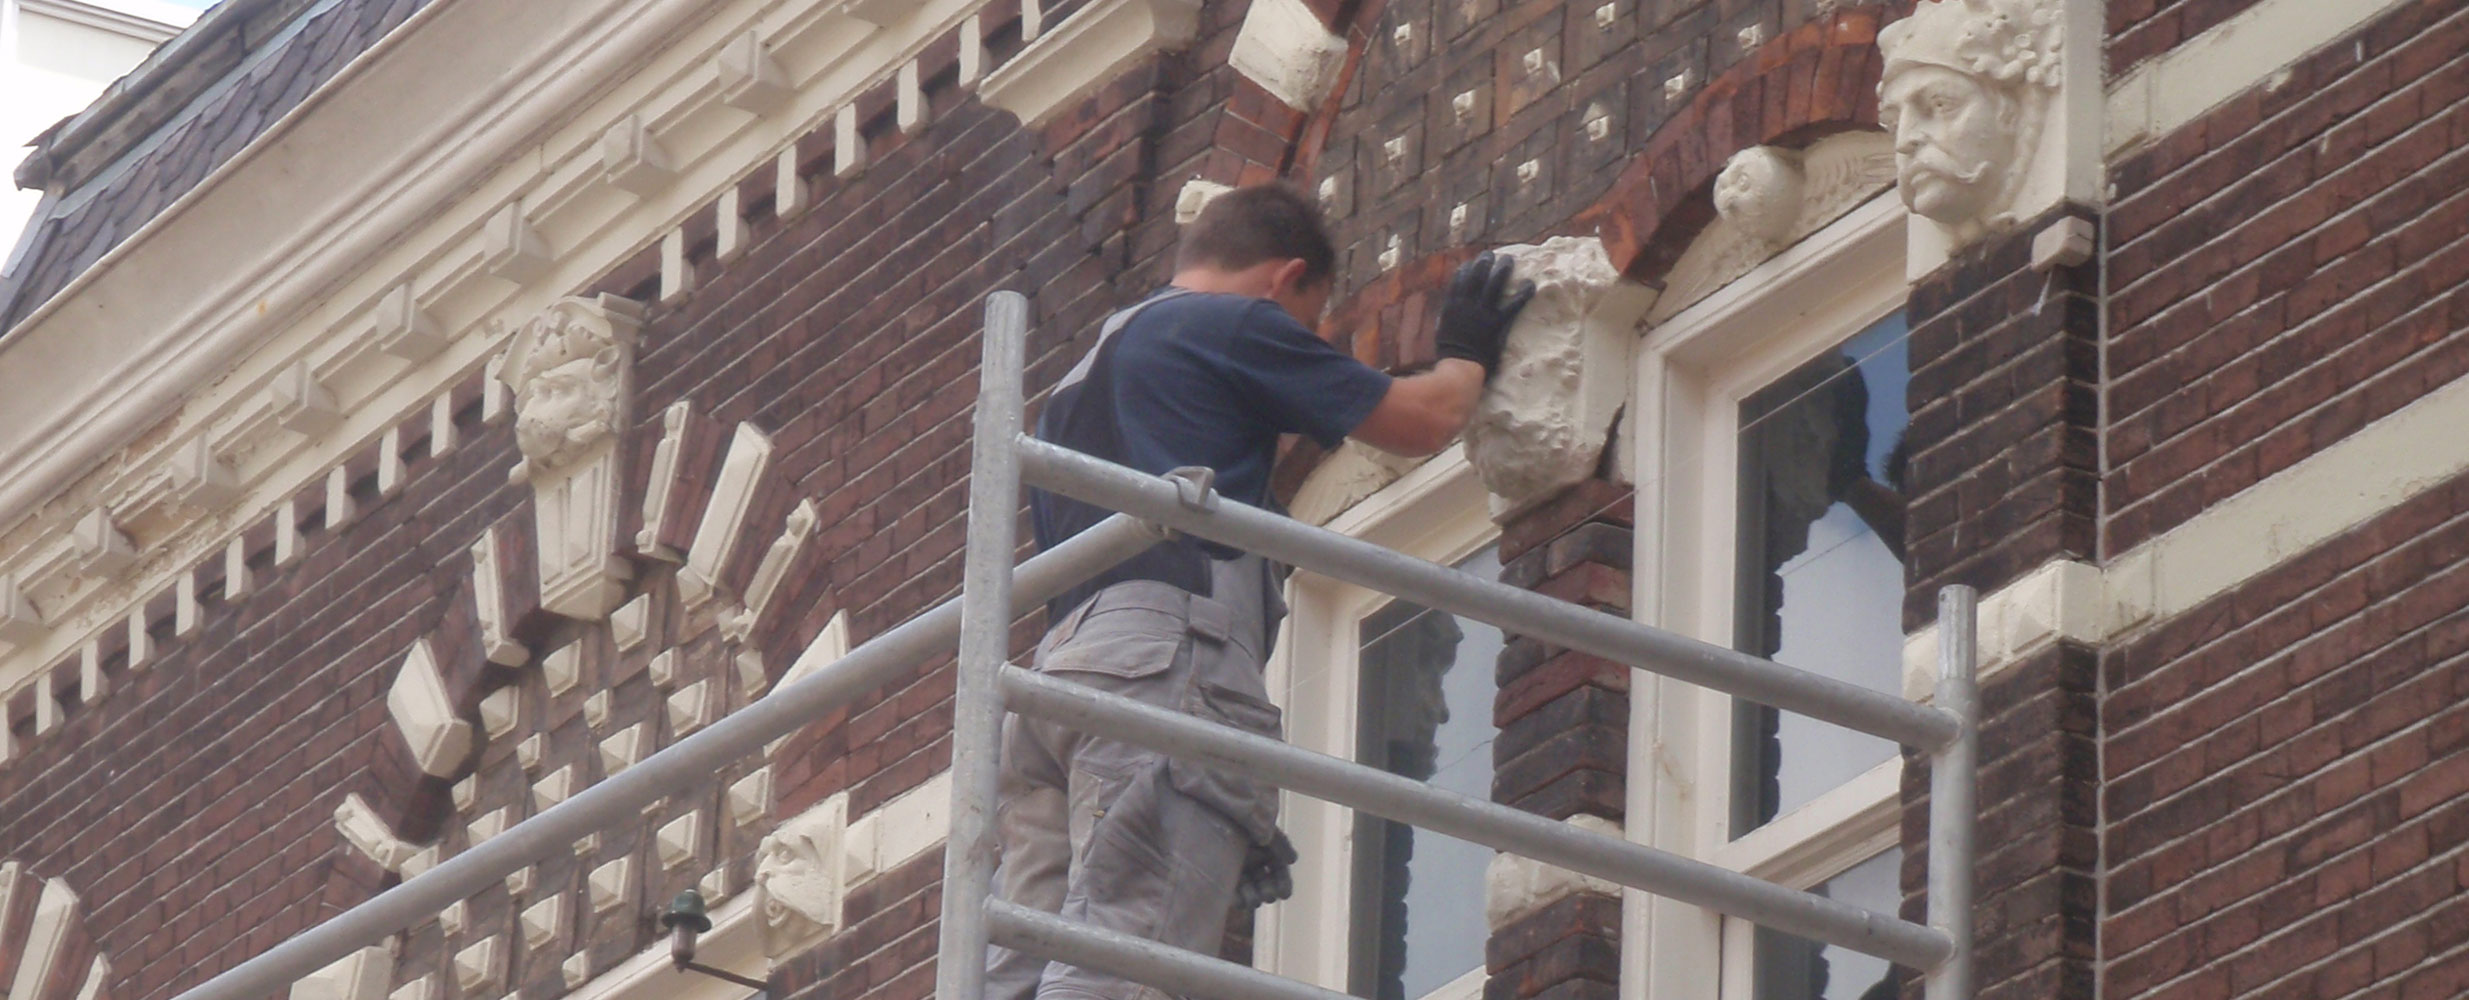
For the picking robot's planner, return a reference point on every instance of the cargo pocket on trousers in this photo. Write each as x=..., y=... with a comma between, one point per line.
x=1250, y=805
x=1130, y=641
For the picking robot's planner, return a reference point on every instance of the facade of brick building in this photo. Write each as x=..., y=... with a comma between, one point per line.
x=414, y=413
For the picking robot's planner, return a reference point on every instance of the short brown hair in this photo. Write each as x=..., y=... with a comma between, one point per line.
x=1249, y=225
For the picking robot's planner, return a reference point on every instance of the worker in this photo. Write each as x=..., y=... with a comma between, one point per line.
x=1207, y=372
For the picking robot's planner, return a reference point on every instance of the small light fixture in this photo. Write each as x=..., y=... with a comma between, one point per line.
x=686, y=917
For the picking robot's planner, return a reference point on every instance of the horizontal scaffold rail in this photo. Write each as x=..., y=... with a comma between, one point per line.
x=1518, y=611
x=688, y=764
x=1465, y=817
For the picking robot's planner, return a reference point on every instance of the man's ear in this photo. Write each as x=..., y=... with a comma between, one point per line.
x=1287, y=278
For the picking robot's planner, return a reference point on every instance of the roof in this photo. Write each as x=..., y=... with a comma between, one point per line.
x=156, y=133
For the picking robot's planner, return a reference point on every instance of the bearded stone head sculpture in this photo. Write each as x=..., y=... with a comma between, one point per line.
x=567, y=367
x=1966, y=87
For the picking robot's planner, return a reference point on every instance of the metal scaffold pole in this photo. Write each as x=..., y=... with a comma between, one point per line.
x=1954, y=813
x=985, y=643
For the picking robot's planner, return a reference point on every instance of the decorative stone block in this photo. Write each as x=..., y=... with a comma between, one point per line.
x=631, y=623
x=632, y=158
x=423, y=988
x=302, y=403
x=752, y=679
x=543, y=922
x=424, y=713
x=361, y=975
x=20, y=624
x=466, y=793
x=528, y=752
x=1091, y=46
x=489, y=824
x=554, y=788
x=571, y=372
x=1195, y=195
x=798, y=879
x=741, y=473
x=1516, y=887
x=621, y=750
x=768, y=573
x=576, y=969
x=693, y=707
x=750, y=79
x=1564, y=375
x=596, y=710
x=512, y=250
x=562, y=669
x=501, y=710
x=368, y=833
x=1283, y=48
x=1970, y=90
x=403, y=329
x=679, y=840
x=611, y=885
x=827, y=648
x=492, y=598
x=454, y=918
x=101, y=545
x=200, y=477
x=749, y=798
x=481, y=966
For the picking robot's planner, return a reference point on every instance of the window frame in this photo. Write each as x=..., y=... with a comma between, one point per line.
x=1692, y=372
x=1437, y=511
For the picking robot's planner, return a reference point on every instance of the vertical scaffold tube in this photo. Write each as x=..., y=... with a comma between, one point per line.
x=1953, y=794
x=985, y=643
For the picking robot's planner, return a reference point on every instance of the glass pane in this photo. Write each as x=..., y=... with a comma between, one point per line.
x=1820, y=582
x=1790, y=968
x=1426, y=713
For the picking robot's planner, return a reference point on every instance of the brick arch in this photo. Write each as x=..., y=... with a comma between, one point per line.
x=1817, y=80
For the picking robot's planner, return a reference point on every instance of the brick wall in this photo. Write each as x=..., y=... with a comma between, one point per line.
x=2286, y=777
x=2141, y=29
x=2004, y=459
x=2287, y=270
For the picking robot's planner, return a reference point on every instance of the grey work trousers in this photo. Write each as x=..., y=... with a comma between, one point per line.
x=1116, y=836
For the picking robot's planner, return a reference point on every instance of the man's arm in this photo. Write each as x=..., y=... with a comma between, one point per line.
x=1421, y=414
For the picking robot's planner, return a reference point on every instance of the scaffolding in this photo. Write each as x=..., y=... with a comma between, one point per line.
x=995, y=593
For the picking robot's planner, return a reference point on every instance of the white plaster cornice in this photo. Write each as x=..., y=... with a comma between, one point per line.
x=1089, y=48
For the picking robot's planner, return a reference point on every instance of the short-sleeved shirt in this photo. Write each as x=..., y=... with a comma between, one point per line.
x=1192, y=378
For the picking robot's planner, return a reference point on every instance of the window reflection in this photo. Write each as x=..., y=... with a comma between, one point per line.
x=1425, y=712
x=1790, y=968
x=1820, y=579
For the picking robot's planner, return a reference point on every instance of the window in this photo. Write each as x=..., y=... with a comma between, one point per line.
x=1381, y=909
x=1769, y=432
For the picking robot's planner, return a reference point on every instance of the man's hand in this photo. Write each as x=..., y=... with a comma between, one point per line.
x=1268, y=873
x=1475, y=318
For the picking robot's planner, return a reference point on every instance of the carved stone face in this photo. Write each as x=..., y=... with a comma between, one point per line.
x=1954, y=140
x=1760, y=192
x=562, y=412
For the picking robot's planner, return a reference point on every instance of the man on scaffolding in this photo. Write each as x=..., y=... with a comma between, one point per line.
x=1207, y=372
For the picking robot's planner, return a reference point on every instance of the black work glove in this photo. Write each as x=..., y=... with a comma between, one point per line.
x=1268, y=873
x=1475, y=318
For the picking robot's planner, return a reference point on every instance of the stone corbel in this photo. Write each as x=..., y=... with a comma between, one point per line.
x=1542, y=424
x=571, y=370
x=800, y=880
x=1088, y=49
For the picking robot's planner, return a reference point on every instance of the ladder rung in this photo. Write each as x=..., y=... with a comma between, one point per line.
x=1522, y=612
x=1179, y=972
x=1467, y=818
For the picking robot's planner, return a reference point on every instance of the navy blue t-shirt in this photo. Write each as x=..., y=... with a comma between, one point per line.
x=1195, y=378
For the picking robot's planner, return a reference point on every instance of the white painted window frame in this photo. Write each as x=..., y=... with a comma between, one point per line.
x=1692, y=373
x=1439, y=512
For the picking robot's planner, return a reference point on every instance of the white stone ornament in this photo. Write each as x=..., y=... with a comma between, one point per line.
x=571, y=372
x=1283, y=48
x=622, y=750
x=679, y=841
x=424, y=712
x=610, y=884
x=1967, y=90
x=750, y=798
x=798, y=879
x=1564, y=373
x=1760, y=191
x=481, y=966
x=543, y=922
x=368, y=832
x=361, y=975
